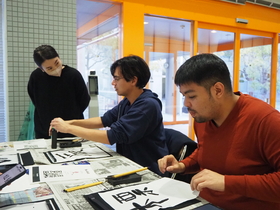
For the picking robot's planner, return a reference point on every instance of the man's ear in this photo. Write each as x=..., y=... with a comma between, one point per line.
x=218, y=89
x=134, y=80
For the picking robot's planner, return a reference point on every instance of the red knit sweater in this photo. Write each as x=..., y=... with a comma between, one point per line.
x=246, y=149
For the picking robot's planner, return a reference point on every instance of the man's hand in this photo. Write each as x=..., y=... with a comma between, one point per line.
x=59, y=125
x=208, y=179
x=169, y=163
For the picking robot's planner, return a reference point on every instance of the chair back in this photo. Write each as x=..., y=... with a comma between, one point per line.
x=180, y=146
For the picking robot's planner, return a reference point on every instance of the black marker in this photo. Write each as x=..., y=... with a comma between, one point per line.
x=54, y=138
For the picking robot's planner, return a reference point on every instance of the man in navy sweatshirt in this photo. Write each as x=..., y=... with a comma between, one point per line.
x=135, y=123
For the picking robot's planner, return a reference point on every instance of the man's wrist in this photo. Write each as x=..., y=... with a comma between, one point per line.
x=71, y=122
x=182, y=167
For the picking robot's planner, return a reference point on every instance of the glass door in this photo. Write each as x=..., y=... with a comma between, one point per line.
x=97, y=48
x=220, y=43
x=278, y=79
x=255, y=66
x=251, y=69
x=167, y=46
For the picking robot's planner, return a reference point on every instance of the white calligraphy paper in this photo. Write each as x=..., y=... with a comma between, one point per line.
x=162, y=193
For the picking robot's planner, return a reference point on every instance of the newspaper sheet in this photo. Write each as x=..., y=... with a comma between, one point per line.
x=30, y=144
x=7, y=147
x=35, y=194
x=114, y=165
x=72, y=154
x=40, y=158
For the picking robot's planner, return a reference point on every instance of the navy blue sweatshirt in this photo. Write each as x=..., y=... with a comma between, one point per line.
x=138, y=130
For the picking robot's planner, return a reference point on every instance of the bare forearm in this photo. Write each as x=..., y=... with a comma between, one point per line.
x=94, y=122
x=89, y=134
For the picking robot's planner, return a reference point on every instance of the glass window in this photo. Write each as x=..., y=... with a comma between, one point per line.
x=255, y=66
x=278, y=78
x=167, y=46
x=98, y=48
x=220, y=43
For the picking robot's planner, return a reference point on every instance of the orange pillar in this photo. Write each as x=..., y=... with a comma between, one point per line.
x=236, y=64
x=194, y=49
x=273, y=77
x=132, y=25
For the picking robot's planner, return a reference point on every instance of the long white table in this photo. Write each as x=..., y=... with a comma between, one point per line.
x=52, y=188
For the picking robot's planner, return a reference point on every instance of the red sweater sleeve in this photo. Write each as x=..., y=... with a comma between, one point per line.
x=191, y=163
x=261, y=187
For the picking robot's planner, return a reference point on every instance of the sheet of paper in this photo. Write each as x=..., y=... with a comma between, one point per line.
x=46, y=173
x=162, y=193
x=25, y=196
x=8, y=159
x=20, y=184
x=46, y=204
x=30, y=144
x=76, y=153
x=75, y=199
x=7, y=147
x=113, y=165
x=28, y=206
x=39, y=157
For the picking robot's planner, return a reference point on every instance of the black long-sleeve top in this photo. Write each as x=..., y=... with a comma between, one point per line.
x=65, y=96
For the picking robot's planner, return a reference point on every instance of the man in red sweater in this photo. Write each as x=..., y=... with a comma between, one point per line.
x=238, y=155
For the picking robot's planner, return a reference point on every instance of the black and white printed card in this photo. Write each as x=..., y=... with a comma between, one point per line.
x=47, y=173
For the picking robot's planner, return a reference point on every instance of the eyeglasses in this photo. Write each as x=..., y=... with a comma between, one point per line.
x=117, y=78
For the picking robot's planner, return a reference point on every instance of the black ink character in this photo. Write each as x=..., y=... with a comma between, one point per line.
x=148, y=205
x=125, y=196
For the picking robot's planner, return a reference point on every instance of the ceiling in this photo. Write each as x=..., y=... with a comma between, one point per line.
x=267, y=3
x=87, y=10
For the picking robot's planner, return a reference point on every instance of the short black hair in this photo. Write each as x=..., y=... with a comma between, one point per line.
x=42, y=53
x=133, y=66
x=205, y=70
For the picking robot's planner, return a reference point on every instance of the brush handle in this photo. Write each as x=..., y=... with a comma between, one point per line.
x=54, y=138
